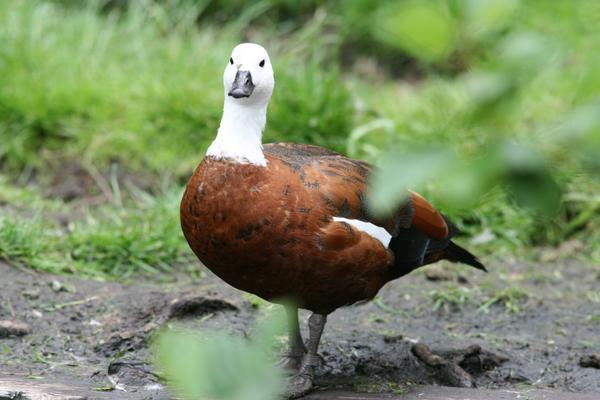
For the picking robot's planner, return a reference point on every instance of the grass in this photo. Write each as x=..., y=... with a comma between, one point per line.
x=451, y=297
x=26, y=197
x=112, y=241
x=72, y=88
x=141, y=87
x=30, y=243
x=121, y=242
x=594, y=318
x=593, y=296
x=75, y=90
x=511, y=298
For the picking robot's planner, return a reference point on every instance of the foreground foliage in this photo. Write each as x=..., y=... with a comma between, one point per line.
x=220, y=366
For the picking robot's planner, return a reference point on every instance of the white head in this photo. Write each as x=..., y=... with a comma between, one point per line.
x=248, y=82
x=248, y=78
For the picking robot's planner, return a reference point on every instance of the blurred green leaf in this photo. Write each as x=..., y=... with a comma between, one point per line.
x=407, y=170
x=486, y=88
x=464, y=180
x=220, y=366
x=528, y=177
x=420, y=28
x=588, y=86
x=527, y=52
x=485, y=16
x=582, y=124
x=380, y=132
x=580, y=132
x=535, y=190
x=517, y=156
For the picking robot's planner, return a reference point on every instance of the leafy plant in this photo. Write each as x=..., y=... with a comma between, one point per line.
x=495, y=134
x=222, y=367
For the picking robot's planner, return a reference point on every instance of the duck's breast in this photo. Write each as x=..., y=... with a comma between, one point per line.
x=242, y=222
x=270, y=231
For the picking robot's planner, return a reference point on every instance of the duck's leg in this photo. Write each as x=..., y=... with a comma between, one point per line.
x=302, y=382
x=292, y=360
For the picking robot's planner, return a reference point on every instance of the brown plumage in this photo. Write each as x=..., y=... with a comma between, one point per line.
x=270, y=230
x=290, y=222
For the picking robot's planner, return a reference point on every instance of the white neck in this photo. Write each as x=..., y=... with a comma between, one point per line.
x=240, y=134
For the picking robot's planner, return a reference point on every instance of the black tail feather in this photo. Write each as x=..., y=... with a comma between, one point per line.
x=456, y=253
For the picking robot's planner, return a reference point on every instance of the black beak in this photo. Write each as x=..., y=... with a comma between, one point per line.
x=242, y=85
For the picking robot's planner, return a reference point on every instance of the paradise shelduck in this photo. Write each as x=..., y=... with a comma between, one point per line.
x=289, y=221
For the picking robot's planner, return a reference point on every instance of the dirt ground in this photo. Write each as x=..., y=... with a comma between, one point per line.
x=96, y=333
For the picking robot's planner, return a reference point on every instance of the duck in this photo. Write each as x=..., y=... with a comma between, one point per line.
x=290, y=223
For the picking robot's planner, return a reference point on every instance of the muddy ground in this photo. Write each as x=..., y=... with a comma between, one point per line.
x=97, y=332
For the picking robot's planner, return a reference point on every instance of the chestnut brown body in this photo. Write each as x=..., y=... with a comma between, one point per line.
x=270, y=230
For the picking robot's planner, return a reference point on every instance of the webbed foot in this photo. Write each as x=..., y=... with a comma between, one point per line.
x=300, y=384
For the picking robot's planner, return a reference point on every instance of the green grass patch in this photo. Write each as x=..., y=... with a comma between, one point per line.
x=595, y=319
x=593, y=296
x=451, y=297
x=114, y=242
x=142, y=87
x=121, y=242
x=78, y=84
x=511, y=298
x=26, y=197
x=29, y=242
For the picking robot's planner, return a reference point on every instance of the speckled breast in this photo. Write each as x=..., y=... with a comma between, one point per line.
x=241, y=223
x=269, y=231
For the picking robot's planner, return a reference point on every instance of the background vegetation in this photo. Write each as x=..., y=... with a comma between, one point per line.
x=107, y=106
x=490, y=108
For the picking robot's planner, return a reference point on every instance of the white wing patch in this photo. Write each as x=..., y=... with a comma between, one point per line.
x=375, y=231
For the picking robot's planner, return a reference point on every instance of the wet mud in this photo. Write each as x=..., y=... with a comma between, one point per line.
x=98, y=334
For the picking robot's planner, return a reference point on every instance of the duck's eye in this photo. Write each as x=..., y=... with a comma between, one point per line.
x=262, y=63
x=231, y=61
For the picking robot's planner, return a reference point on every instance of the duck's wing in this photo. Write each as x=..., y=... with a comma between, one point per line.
x=418, y=233
x=340, y=182
x=342, y=185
